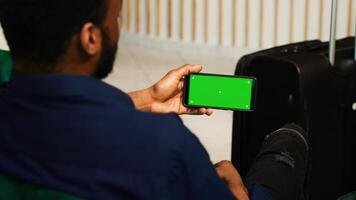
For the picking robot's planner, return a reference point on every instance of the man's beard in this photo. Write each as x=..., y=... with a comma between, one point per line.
x=107, y=57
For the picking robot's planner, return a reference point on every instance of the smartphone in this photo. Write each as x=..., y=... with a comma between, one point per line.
x=220, y=92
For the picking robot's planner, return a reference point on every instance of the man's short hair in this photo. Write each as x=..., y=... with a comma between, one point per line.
x=38, y=31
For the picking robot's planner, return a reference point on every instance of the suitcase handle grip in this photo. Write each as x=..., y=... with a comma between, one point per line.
x=343, y=67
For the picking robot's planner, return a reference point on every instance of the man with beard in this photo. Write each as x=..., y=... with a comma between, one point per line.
x=63, y=128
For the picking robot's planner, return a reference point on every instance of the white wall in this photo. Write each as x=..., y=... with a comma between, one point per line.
x=237, y=23
x=3, y=44
x=234, y=23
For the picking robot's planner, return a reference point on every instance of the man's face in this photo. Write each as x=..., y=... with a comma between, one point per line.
x=110, y=31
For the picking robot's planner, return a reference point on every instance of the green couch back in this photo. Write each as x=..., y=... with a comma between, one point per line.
x=5, y=66
x=12, y=189
x=350, y=196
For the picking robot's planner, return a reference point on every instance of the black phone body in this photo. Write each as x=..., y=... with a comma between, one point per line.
x=224, y=92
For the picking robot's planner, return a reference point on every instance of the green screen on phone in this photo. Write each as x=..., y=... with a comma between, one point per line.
x=226, y=92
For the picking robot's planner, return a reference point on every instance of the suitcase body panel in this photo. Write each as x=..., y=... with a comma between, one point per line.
x=295, y=84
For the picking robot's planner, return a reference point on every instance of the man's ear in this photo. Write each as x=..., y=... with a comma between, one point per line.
x=90, y=38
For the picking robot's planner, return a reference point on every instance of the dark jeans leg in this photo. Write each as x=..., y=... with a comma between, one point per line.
x=281, y=163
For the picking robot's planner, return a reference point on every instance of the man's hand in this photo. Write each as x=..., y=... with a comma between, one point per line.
x=168, y=92
x=166, y=95
x=228, y=173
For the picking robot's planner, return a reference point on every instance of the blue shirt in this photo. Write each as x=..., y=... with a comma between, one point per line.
x=79, y=135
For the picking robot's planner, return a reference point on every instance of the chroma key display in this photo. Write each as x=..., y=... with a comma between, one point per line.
x=220, y=91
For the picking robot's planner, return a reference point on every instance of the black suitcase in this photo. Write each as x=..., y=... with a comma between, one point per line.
x=296, y=83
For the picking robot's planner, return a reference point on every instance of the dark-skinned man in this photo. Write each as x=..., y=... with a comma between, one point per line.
x=63, y=128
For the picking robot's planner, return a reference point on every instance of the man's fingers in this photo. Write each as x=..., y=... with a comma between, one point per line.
x=209, y=112
x=195, y=69
x=224, y=163
x=193, y=111
x=188, y=69
x=198, y=111
x=180, y=86
x=206, y=111
x=220, y=172
x=222, y=169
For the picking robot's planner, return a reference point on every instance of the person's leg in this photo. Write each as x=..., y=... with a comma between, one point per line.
x=281, y=163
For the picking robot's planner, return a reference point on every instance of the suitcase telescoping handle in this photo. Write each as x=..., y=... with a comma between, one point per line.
x=332, y=45
x=345, y=66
